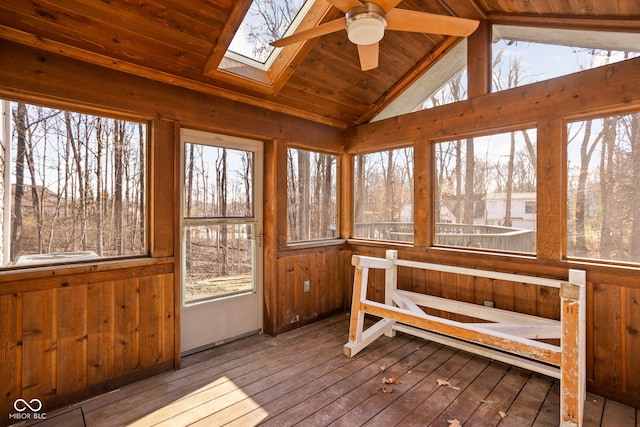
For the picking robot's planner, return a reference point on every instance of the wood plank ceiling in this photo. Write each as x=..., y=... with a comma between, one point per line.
x=181, y=42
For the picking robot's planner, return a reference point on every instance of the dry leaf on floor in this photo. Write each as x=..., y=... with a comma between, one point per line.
x=382, y=368
x=502, y=414
x=454, y=423
x=408, y=372
x=374, y=392
x=386, y=389
x=391, y=380
x=487, y=402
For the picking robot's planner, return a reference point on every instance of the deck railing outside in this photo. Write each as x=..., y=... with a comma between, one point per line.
x=461, y=235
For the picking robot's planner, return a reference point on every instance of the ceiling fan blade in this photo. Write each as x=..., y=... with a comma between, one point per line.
x=368, y=56
x=423, y=22
x=345, y=5
x=387, y=5
x=320, y=30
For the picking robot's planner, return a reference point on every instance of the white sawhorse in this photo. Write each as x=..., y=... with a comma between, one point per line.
x=506, y=336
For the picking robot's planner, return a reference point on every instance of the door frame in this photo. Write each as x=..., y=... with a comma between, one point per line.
x=197, y=311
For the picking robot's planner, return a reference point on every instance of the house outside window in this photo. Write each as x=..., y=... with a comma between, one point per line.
x=485, y=192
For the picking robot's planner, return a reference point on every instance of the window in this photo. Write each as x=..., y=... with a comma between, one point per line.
x=265, y=22
x=444, y=83
x=311, y=193
x=485, y=192
x=221, y=218
x=603, y=202
x=74, y=186
x=530, y=207
x=383, y=195
x=523, y=55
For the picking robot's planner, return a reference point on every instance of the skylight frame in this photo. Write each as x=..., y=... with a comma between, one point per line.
x=266, y=65
x=270, y=81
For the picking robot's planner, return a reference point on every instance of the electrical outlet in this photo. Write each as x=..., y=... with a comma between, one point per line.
x=489, y=304
x=307, y=285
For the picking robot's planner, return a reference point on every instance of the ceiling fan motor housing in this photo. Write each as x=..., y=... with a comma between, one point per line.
x=365, y=25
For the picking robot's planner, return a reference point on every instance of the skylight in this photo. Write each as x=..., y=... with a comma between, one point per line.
x=266, y=21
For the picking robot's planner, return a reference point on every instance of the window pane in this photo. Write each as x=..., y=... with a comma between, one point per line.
x=264, y=22
x=603, y=202
x=486, y=192
x=218, y=261
x=383, y=195
x=311, y=192
x=76, y=185
x=523, y=55
x=445, y=82
x=218, y=182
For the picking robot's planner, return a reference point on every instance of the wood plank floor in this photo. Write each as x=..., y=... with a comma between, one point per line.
x=302, y=378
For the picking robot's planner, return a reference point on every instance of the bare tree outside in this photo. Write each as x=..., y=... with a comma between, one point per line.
x=219, y=241
x=266, y=21
x=75, y=187
x=383, y=193
x=312, y=196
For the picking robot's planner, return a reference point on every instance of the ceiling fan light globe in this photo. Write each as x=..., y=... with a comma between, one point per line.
x=366, y=31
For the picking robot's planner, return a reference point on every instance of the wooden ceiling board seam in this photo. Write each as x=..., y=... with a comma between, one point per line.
x=333, y=99
x=119, y=48
x=187, y=19
x=108, y=16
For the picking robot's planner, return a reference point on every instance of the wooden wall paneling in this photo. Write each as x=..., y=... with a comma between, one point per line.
x=347, y=274
x=100, y=332
x=321, y=282
x=71, y=342
x=631, y=322
x=590, y=332
x=548, y=302
x=525, y=300
x=607, y=337
x=483, y=290
x=449, y=289
x=168, y=324
x=304, y=301
x=10, y=351
x=39, y=323
x=465, y=291
x=504, y=295
x=150, y=320
x=551, y=179
x=286, y=296
x=127, y=349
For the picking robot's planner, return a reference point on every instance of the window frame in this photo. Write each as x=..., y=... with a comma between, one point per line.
x=106, y=113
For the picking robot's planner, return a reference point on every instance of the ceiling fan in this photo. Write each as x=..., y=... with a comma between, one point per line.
x=366, y=21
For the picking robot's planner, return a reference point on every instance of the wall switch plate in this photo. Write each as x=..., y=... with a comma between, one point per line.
x=307, y=285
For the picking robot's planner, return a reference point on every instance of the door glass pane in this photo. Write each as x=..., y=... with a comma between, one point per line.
x=219, y=261
x=218, y=182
